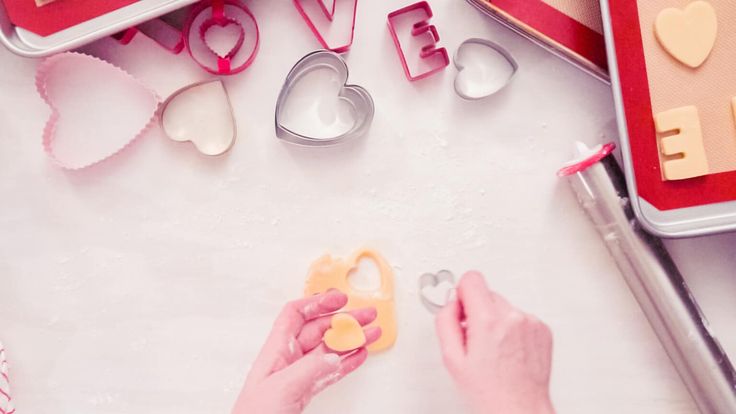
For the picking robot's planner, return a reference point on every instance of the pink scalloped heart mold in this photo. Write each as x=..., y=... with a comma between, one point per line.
x=97, y=109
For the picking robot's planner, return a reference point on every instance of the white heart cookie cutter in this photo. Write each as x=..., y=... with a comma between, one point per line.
x=490, y=83
x=202, y=114
x=435, y=290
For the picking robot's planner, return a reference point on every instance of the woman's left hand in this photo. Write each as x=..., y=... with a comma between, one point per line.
x=294, y=364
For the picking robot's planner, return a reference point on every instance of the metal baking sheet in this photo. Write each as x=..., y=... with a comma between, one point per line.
x=541, y=39
x=25, y=43
x=681, y=222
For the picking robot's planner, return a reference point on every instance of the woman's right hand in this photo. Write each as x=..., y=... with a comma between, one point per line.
x=499, y=356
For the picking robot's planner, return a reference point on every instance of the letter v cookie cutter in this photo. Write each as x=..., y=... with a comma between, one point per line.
x=329, y=14
x=419, y=28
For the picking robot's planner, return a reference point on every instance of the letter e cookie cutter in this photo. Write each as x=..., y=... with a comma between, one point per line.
x=436, y=58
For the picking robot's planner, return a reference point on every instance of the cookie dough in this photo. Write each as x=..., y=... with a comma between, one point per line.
x=345, y=335
x=328, y=272
x=682, y=154
x=688, y=35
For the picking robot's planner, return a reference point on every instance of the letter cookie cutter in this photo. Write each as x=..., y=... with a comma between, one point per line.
x=328, y=14
x=225, y=13
x=358, y=99
x=429, y=52
x=161, y=32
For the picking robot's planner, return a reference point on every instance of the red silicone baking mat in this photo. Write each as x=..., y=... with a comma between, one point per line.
x=57, y=15
x=561, y=28
x=634, y=85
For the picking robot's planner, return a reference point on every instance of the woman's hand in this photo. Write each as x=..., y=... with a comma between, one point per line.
x=499, y=356
x=294, y=364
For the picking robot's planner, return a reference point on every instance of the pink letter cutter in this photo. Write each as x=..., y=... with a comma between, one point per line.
x=431, y=58
x=321, y=20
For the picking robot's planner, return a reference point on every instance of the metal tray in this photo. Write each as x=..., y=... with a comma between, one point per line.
x=25, y=43
x=542, y=40
x=683, y=222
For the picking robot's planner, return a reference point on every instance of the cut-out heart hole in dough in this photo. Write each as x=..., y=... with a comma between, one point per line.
x=97, y=109
x=223, y=36
x=688, y=35
x=346, y=334
x=436, y=289
x=484, y=68
x=200, y=113
x=365, y=276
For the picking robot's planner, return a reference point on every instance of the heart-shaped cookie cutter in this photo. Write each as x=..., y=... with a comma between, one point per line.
x=329, y=14
x=223, y=22
x=495, y=47
x=6, y=401
x=72, y=63
x=196, y=42
x=357, y=97
x=204, y=121
x=434, y=280
x=158, y=30
x=55, y=71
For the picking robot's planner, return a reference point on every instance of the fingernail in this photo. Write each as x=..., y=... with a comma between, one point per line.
x=330, y=295
x=473, y=273
x=332, y=359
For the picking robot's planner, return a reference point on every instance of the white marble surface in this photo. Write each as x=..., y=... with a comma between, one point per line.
x=146, y=284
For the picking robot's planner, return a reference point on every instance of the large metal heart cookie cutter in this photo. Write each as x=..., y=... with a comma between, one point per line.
x=435, y=290
x=308, y=95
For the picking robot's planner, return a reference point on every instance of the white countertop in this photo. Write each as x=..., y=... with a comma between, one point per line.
x=148, y=283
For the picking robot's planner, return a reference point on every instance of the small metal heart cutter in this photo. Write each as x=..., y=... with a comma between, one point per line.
x=356, y=99
x=435, y=290
x=493, y=77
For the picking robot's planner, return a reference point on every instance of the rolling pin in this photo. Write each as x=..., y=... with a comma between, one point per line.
x=654, y=280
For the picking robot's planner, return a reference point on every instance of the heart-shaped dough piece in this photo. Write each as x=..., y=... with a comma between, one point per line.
x=688, y=35
x=346, y=334
x=200, y=113
x=484, y=68
x=97, y=109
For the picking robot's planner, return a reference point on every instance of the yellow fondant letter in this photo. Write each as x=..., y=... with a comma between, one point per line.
x=682, y=154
